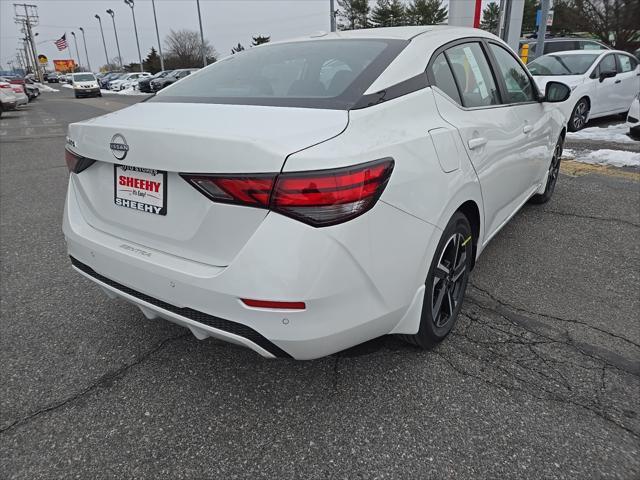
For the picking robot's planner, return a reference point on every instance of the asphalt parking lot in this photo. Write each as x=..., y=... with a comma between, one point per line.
x=540, y=378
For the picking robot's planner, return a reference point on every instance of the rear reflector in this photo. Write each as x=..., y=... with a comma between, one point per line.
x=76, y=163
x=318, y=198
x=274, y=305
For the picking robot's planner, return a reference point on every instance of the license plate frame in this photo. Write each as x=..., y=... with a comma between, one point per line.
x=132, y=195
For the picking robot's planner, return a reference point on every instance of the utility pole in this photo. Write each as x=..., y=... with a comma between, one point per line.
x=29, y=19
x=153, y=4
x=204, y=54
x=135, y=28
x=77, y=51
x=113, y=19
x=84, y=39
x=104, y=44
x=542, y=28
x=332, y=10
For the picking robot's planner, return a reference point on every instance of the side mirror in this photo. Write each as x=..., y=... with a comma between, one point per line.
x=556, y=92
x=607, y=74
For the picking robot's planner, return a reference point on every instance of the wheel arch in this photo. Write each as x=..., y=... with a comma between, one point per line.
x=471, y=210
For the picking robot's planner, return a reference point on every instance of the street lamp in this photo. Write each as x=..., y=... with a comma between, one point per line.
x=135, y=28
x=113, y=19
x=75, y=40
x=204, y=54
x=84, y=39
x=104, y=44
x=153, y=4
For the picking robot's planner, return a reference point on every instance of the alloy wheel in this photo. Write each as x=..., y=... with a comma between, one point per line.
x=554, y=168
x=580, y=115
x=449, y=279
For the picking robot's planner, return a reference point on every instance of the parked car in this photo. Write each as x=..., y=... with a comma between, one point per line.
x=602, y=82
x=633, y=117
x=160, y=83
x=127, y=80
x=562, y=44
x=21, y=96
x=53, y=78
x=31, y=89
x=300, y=211
x=85, y=84
x=7, y=97
x=144, y=84
x=106, y=78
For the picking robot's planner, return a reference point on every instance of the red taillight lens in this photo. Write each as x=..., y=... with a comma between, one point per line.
x=18, y=89
x=328, y=197
x=318, y=198
x=76, y=163
x=5, y=86
x=243, y=190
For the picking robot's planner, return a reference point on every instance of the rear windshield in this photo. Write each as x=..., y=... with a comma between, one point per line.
x=562, y=64
x=83, y=77
x=312, y=74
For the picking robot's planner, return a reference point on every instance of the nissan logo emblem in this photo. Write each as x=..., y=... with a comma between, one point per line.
x=119, y=146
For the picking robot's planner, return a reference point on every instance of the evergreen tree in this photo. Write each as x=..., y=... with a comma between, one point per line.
x=260, y=39
x=426, y=12
x=388, y=13
x=491, y=18
x=353, y=14
x=529, y=16
x=151, y=64
x=237, y=48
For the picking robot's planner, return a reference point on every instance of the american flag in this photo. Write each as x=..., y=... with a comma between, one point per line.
x=61, y=43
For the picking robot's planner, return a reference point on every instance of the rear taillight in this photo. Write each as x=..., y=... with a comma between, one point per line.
x=76, y=163
x=6, y=86
x=318, y=198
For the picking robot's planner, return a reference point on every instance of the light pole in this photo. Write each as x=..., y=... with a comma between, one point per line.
x=84, y=39
x=75, y=40
x=135, y=28
x=153, y=4
x=204, y=54
x=332, y=12
x=113, y=19
x=104, y=44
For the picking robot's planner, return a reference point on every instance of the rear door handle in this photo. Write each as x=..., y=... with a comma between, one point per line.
x=527, y=129
x=617, y=81
x=476, y=142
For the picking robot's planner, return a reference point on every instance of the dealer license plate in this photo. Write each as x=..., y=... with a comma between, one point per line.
x=142, y=189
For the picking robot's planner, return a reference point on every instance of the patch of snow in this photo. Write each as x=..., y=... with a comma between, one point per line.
x=45, y=88
x=613, y=133
x=130, y=91
x=66, y=85
x=103, y=91
x=615, y=158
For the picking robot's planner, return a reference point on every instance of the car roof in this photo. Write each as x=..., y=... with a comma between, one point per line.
x=582, y=52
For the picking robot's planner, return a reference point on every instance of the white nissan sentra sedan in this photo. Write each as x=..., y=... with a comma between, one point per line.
x=303, y=197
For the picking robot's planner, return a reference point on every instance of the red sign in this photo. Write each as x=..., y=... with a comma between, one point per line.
x=64, y=66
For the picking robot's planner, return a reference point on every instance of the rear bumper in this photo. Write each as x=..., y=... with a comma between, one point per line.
x=357, y=279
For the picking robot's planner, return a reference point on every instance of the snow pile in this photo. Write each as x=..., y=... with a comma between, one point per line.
x=130, y=91
x=66, y=85
x=45, y=88
x=615, y=158
x=612, y=133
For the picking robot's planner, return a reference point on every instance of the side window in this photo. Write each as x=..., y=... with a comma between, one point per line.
x=586, y=45
x=519, y=87
x=608, y=64
x=443, y=78
x=625, y=63
x=473, y=75
x=559, y=46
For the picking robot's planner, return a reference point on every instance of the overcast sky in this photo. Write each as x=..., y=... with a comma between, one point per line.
x=225, y=23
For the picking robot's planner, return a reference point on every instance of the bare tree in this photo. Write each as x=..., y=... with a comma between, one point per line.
x=353, y=14
x=183, y=49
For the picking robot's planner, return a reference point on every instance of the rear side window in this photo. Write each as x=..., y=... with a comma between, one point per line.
x=590, y=46
x=473, y=75
x=559, y=46
x=312, y=74
x=443, y=78
x=516, y=80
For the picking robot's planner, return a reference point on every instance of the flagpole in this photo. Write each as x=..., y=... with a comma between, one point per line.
x=69, y=50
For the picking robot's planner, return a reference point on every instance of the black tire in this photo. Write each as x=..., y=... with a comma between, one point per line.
x=76, y=95
x=100, y=94
x=579, y=115
x=552, y=177
x=445, y=286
